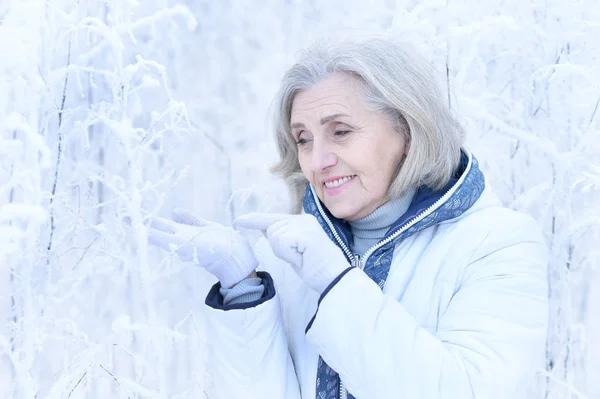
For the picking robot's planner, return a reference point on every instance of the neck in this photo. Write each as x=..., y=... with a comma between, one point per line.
x=371, y=229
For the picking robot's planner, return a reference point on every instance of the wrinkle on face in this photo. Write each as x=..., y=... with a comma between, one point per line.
x=372, y=150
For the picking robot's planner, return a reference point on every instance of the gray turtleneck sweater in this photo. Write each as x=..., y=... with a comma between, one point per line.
x=371, y=229
x=366, y=231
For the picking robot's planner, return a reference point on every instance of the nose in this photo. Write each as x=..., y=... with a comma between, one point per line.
x=322, y=156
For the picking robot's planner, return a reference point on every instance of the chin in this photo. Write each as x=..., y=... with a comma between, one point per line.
x=343, y=211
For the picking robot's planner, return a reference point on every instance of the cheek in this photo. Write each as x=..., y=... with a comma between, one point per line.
x=382, y=167
x=376, y=180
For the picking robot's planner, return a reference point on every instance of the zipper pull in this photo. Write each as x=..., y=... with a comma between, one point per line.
x=356, y=261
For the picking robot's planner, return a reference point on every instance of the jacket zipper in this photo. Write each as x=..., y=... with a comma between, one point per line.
x=343, y=390
x=356, y=260
x=333, y=230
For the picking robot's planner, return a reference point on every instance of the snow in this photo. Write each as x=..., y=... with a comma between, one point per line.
x=163, y=104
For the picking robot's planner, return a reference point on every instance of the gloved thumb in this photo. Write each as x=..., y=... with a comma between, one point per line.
x=185, y=216
x=258, y=221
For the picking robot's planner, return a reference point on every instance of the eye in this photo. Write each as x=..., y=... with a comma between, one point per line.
x=341, y=132
x=301, y=140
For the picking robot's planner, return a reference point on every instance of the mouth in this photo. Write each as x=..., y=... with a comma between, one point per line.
x=336, y=186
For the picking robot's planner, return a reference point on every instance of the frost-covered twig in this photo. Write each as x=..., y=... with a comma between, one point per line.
x=58, y=154
x=78, y=382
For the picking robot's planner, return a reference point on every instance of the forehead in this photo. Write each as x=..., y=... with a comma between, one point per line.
x=337, y=94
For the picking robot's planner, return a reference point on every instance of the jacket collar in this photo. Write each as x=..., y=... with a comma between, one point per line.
x=428, y=207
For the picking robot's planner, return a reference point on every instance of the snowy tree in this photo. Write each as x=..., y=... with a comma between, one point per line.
x=113, y=111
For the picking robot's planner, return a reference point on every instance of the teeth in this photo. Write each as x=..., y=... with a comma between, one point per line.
x=338, y=182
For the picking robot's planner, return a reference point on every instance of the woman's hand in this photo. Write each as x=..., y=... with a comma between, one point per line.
x=300, y=241
x=220, y=250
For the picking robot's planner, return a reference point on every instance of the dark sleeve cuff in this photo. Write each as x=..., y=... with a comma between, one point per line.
x=329, y=287
x=214, y=299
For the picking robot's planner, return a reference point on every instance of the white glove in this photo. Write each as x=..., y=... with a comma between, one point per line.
x=300, y=241
x=220, y=250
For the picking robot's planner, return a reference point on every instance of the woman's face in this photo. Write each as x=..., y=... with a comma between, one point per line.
x=348, y=152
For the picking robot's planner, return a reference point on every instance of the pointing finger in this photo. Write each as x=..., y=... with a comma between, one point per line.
x=166, y=241
x=185, y=216
x=162, y=224
x=258, y=221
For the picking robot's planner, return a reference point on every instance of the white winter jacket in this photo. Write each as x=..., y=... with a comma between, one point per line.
x=452, y=304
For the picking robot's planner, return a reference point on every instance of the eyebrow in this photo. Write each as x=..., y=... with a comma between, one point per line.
x=323, y=120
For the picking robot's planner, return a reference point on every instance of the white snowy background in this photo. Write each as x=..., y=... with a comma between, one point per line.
x=119, y=107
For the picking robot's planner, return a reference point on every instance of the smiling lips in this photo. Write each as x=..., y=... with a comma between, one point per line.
x=336, y=186
x=337, y=182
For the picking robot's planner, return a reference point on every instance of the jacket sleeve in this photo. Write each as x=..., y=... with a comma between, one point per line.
x=250, y=357
x=488, y=343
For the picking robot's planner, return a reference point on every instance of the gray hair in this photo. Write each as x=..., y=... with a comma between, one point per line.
x=396, y=81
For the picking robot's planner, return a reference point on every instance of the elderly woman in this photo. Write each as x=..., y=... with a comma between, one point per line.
x=412, y=280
